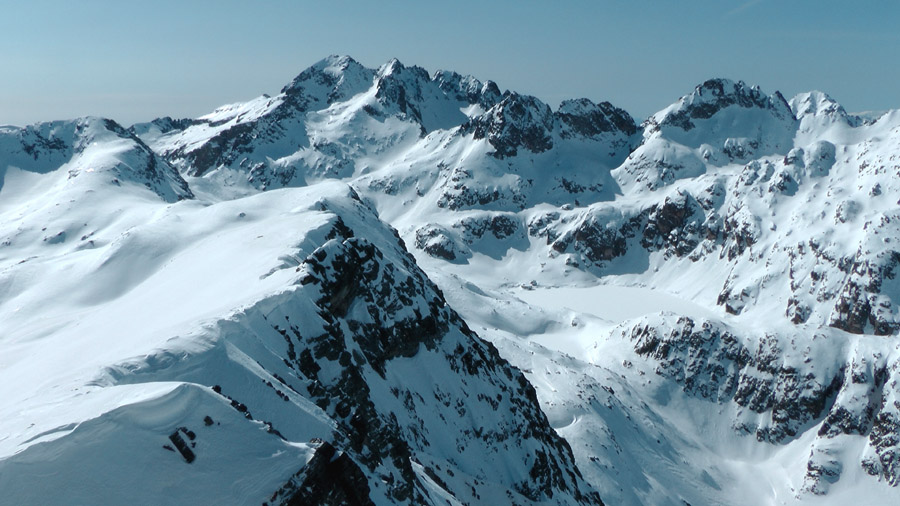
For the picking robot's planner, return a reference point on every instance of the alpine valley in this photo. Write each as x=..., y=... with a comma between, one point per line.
x=384, y=286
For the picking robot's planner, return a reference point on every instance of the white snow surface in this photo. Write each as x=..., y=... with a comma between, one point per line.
x=147, y=283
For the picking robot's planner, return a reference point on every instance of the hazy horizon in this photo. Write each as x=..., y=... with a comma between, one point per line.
x=134, y=63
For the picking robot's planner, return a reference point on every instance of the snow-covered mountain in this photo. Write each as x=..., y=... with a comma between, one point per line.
x=327, y=296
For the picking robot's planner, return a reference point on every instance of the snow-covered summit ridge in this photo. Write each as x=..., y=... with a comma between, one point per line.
x=90, y=151
x=396, y=104
x=714, y=95
x=719, y=123
x=511, y=153
x=816, y=103
x=329, y=80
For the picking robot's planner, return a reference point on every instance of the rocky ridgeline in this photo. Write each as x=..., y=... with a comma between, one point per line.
x=847, y=285
x=714, y=96
x=375, y=311
x=251, y=137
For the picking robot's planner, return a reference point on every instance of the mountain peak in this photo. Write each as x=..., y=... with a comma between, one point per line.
x=333, y=65
x=587, y=118
x=395, y=69
x=816, y=103
x=467, y=88
x=735, y=258
x=94, y=151
x=328, y=80
x=516, y=121
x=714, y=95
x=392, y=66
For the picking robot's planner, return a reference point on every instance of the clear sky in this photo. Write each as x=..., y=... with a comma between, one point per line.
x=133, y=61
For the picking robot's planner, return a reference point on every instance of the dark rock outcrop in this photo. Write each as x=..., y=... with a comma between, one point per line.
x=518, y=121
x=328, y=479
x=584, y=118
x=379, y=315
x=711, y=363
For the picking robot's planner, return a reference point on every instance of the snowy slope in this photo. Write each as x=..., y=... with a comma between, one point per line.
x=705, y=303
x=210, y=350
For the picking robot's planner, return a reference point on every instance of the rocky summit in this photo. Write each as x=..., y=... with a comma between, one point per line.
x=395, y=286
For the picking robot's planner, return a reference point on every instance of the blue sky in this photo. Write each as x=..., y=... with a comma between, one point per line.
x=135, y=61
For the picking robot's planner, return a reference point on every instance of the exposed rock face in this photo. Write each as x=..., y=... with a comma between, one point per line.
x=885, y=464
x=362, y=321
x=603, y=233
x=715, y=95
x=350, y=344
x=583, y=117
x=461, y=191
x=500, y=226
x=520, y=121
x=44, y=143
x=712, y=363
x=676, y=225
x=861, y=307
x=597, y=238
x=780, y=212
x=439, y=242
x=468, y=89
x=276, y=139
x=328, y=479
x=148, y=169
x=333, y=79
x=782, y=215
x=162, y=125
x=279, y=142
x=233, y=134
x=516, y=122
x=847, y=285
x=401, y=87
x=375, y=313
x=852, y=398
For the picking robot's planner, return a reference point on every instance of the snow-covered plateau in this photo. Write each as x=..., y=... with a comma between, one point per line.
x=385, y=286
